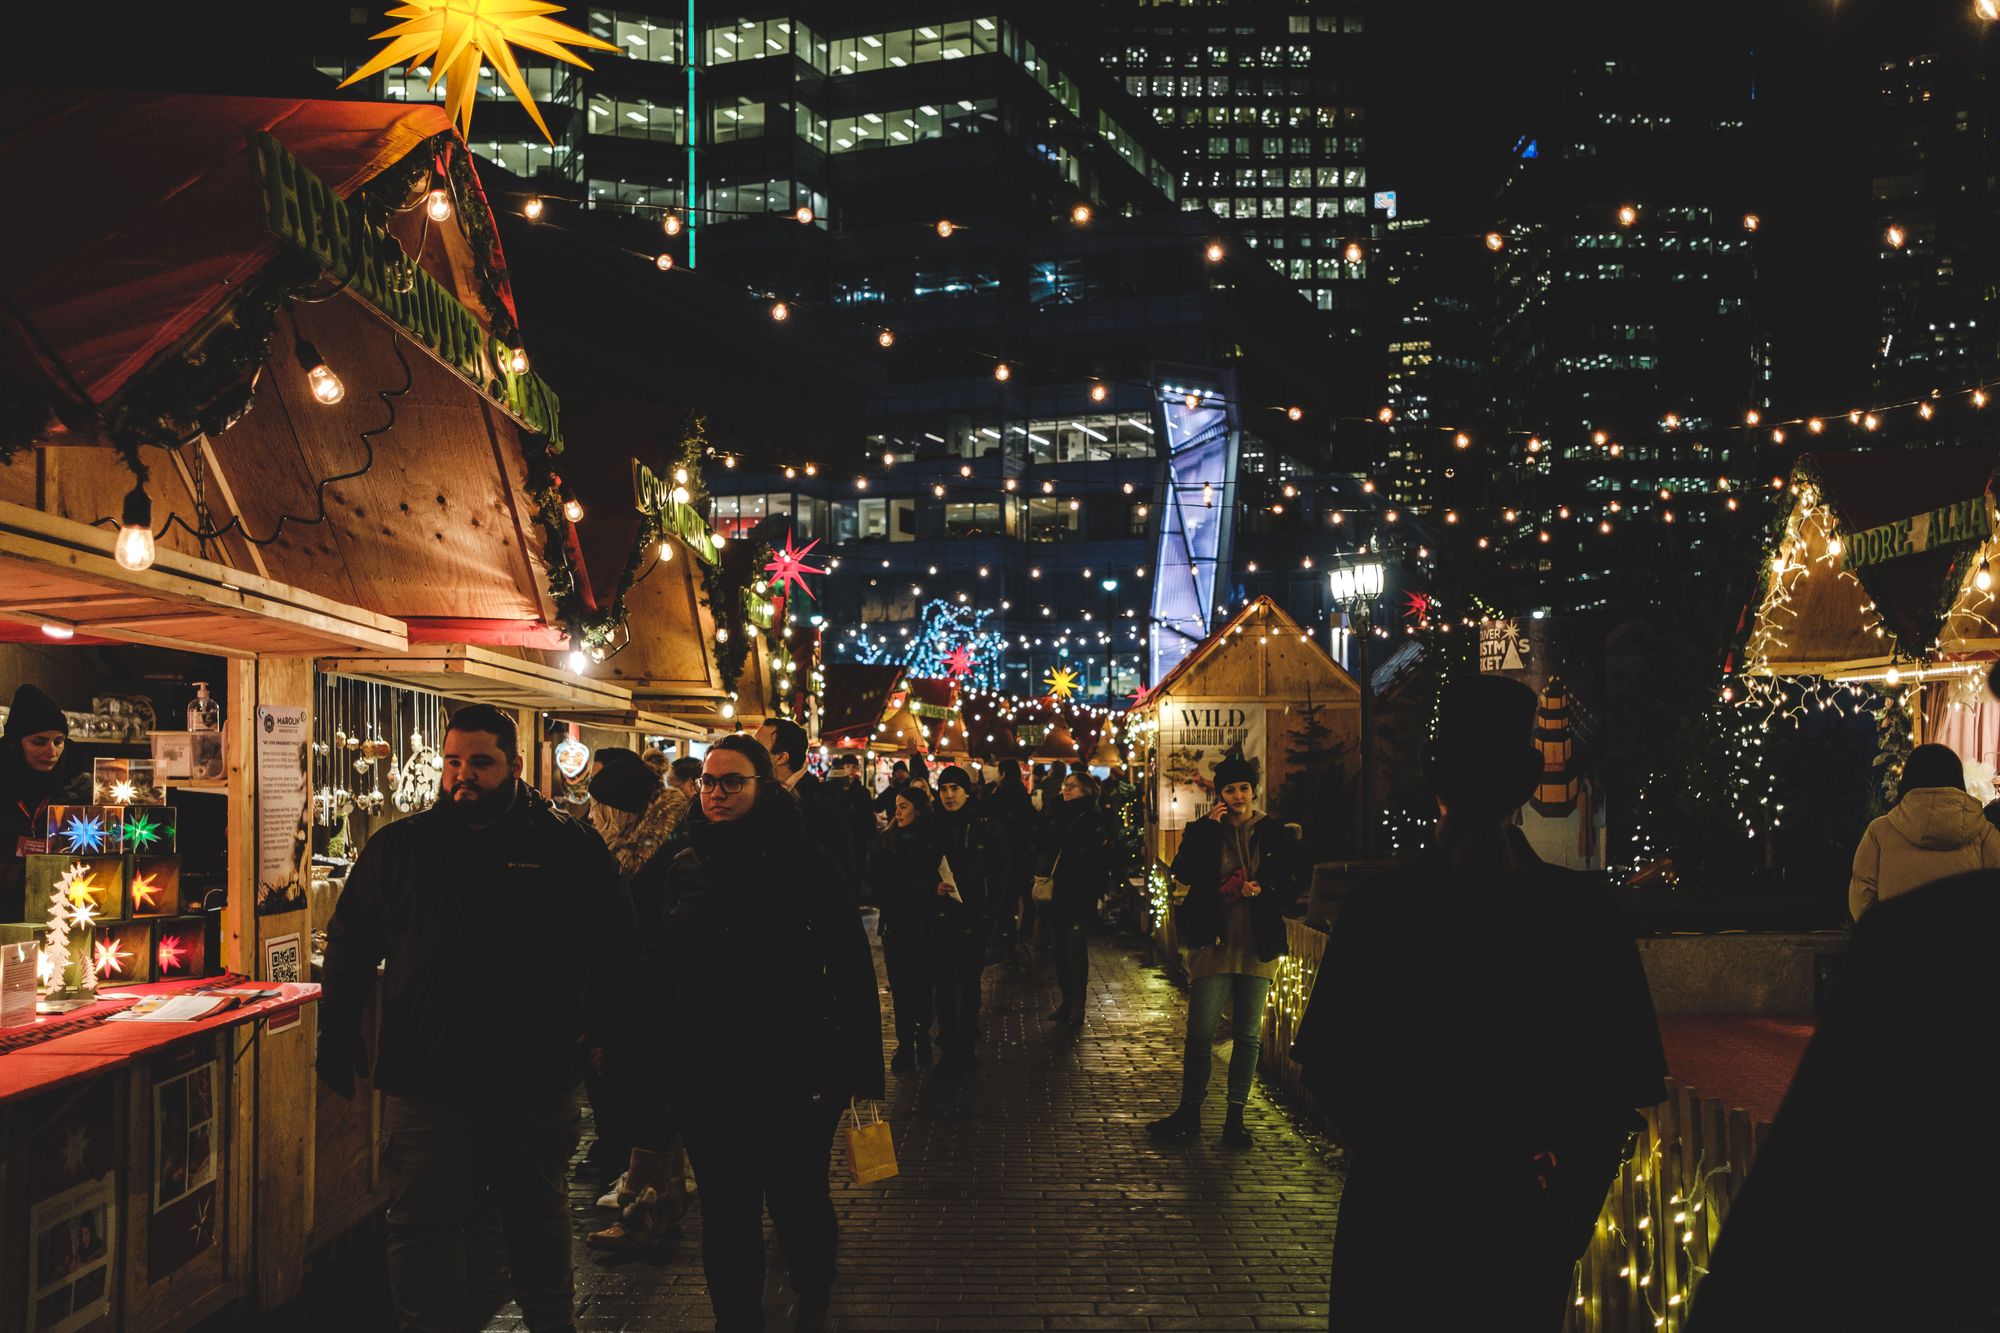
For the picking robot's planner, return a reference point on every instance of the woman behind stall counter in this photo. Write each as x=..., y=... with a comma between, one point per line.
x=32, y=775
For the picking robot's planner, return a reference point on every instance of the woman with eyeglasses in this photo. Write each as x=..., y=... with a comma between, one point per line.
x=1242, y=871
x=1078, y=859
x=770, y=1027
x=903, y=873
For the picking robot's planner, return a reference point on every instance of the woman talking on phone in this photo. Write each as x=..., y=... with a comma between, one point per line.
x=1241, y=868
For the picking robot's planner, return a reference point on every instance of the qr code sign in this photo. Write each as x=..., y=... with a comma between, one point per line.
x=281, y=958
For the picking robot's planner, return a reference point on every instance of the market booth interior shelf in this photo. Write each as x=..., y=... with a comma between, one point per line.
x=278, y=493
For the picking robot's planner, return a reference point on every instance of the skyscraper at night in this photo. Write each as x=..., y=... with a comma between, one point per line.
x=1268, y=113
x=1629, y=354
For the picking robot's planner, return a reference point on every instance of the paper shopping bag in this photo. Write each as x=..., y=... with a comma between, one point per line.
x=871, y=1153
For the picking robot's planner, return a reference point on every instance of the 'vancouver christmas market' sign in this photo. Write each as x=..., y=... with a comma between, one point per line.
x=1965, y=521
x=303, y=212
x=653, y=495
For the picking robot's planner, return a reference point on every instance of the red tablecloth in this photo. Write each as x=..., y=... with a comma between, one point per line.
x=101, y=1047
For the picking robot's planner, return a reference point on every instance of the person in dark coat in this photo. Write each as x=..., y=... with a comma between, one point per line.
x=1013, y=816
x=33, y=776
x=903, y=871
x=858, y=803
x=961, y=917
x=477, y=1068
x=820, y=808
x=1078, y=858
x=1476, y=975
x=761, y=1062
x=1886, y=1120
x=1242, y=869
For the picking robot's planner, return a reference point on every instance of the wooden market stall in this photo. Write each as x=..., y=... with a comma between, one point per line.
x=1883, y=576
x=1259, y=687
x=308, y=388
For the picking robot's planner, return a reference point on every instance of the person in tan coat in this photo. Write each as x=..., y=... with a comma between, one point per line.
x=1937, y=829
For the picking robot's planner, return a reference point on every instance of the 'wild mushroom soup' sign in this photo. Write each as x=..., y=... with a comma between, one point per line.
x=1194, y=738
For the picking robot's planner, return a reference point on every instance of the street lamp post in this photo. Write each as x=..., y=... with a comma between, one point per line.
x=1110, y=586
x=1355, y=585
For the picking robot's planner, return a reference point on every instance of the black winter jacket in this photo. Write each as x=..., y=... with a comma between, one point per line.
x=1079, y=856
x=903, y=872
x=975, y=850
x=828, y=822
x=768, y=985
x=507, y=949
x=1198, y=865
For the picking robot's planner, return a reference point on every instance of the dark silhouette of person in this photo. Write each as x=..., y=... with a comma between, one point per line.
x=1865, y=1207
x=1481, y=1034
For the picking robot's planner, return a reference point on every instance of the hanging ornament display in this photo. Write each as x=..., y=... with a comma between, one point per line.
x=572, y=757
x=423, y=772
x=455, y=38
x=789, y=566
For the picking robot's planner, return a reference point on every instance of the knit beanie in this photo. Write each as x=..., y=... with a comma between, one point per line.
x=1483, y=761
x=957, y=775
x=625, y=783
x=32, y=712
x=1235, y=768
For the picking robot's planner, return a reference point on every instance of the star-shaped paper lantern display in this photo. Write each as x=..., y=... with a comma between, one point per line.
x=1417, y=606
x=455, y=37
x=169, y=954
x=111, y=957
x=76, y=886
x=145, y=888
x=1061, y=683
x=86, y=833
x=959, y=661
x=789, y=566
x=142, y=831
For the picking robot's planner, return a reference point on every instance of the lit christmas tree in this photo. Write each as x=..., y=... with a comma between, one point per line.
x=942, y=629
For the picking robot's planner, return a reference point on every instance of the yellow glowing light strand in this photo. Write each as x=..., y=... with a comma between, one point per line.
x=454, y=37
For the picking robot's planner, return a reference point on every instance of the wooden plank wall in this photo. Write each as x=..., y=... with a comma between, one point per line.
x=1663, y=1213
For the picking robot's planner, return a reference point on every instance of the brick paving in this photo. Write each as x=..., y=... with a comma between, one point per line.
x=1030, y=1198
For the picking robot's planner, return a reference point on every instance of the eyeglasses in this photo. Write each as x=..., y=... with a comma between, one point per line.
x=1071, y=786
x=731, y=783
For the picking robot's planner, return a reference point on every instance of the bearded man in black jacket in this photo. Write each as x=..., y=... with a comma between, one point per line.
x=478, y=1075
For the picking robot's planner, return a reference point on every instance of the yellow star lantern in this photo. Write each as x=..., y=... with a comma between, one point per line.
x=456, y=36
x=1061, y=683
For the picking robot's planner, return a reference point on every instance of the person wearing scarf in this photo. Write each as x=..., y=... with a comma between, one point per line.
x=768, y=1027
x=1242, y=871
x=32, y=777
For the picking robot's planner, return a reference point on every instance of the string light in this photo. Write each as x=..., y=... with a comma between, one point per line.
x=1494, y=240
x=1895, y=236
x=321, y=380
x=1098, y=393
x=573, y=510
x=1080, y=215
x=532, y=209
x=1295, y=413
x=1627, y=215
x=1353, y=253
x=1214, y=252
x=1751, y=222
x=780, y=311
x=804, y=215
x=1003, y=372
x=663, y=261
x=437, y=205
x=517, y=361
x=945, y=227
x=1386, y=415
x=671, y=224
x=135, y=548
x=886, y=338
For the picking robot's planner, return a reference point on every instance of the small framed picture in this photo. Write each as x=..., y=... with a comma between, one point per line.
x=173, y=754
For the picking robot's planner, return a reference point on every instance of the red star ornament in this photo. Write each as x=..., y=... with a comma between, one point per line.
x=959, y=661
x=789, y=566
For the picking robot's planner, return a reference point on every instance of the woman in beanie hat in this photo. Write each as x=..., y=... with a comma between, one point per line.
x=32, y=775
x=1937, y=829
x=903, y=872
x=962, y=908
x=1242, y=870
x=630, y=810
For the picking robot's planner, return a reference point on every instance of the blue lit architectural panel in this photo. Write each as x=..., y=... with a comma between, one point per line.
x=1195, y=527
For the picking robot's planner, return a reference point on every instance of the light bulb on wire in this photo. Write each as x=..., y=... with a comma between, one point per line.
x=1214, y=252
x=885, y=338
x=945, y=228
x=532, y=209
x=573, y=509
x=663, y=261
x=135, y=549
x=325, y=385
x=803, y=216
x=437, y=205
x=671, y=224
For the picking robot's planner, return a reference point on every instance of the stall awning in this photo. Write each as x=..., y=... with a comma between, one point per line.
x=60, y=573
x=480, y=675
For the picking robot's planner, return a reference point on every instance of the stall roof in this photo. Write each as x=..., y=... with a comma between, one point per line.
x=1268, y=621
x=856, y=699
x=642, y=720
x=55, y=571
x=481, y=675
x=1822, y=621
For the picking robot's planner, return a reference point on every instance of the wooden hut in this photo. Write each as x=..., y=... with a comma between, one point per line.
x=1259, y=686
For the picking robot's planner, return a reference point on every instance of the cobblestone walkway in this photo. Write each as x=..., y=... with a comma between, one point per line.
x=1030, y=1198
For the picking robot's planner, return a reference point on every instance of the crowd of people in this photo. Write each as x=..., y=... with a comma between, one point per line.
x=737, y=885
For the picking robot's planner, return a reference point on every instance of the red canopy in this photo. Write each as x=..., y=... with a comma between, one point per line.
x=141, y=217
